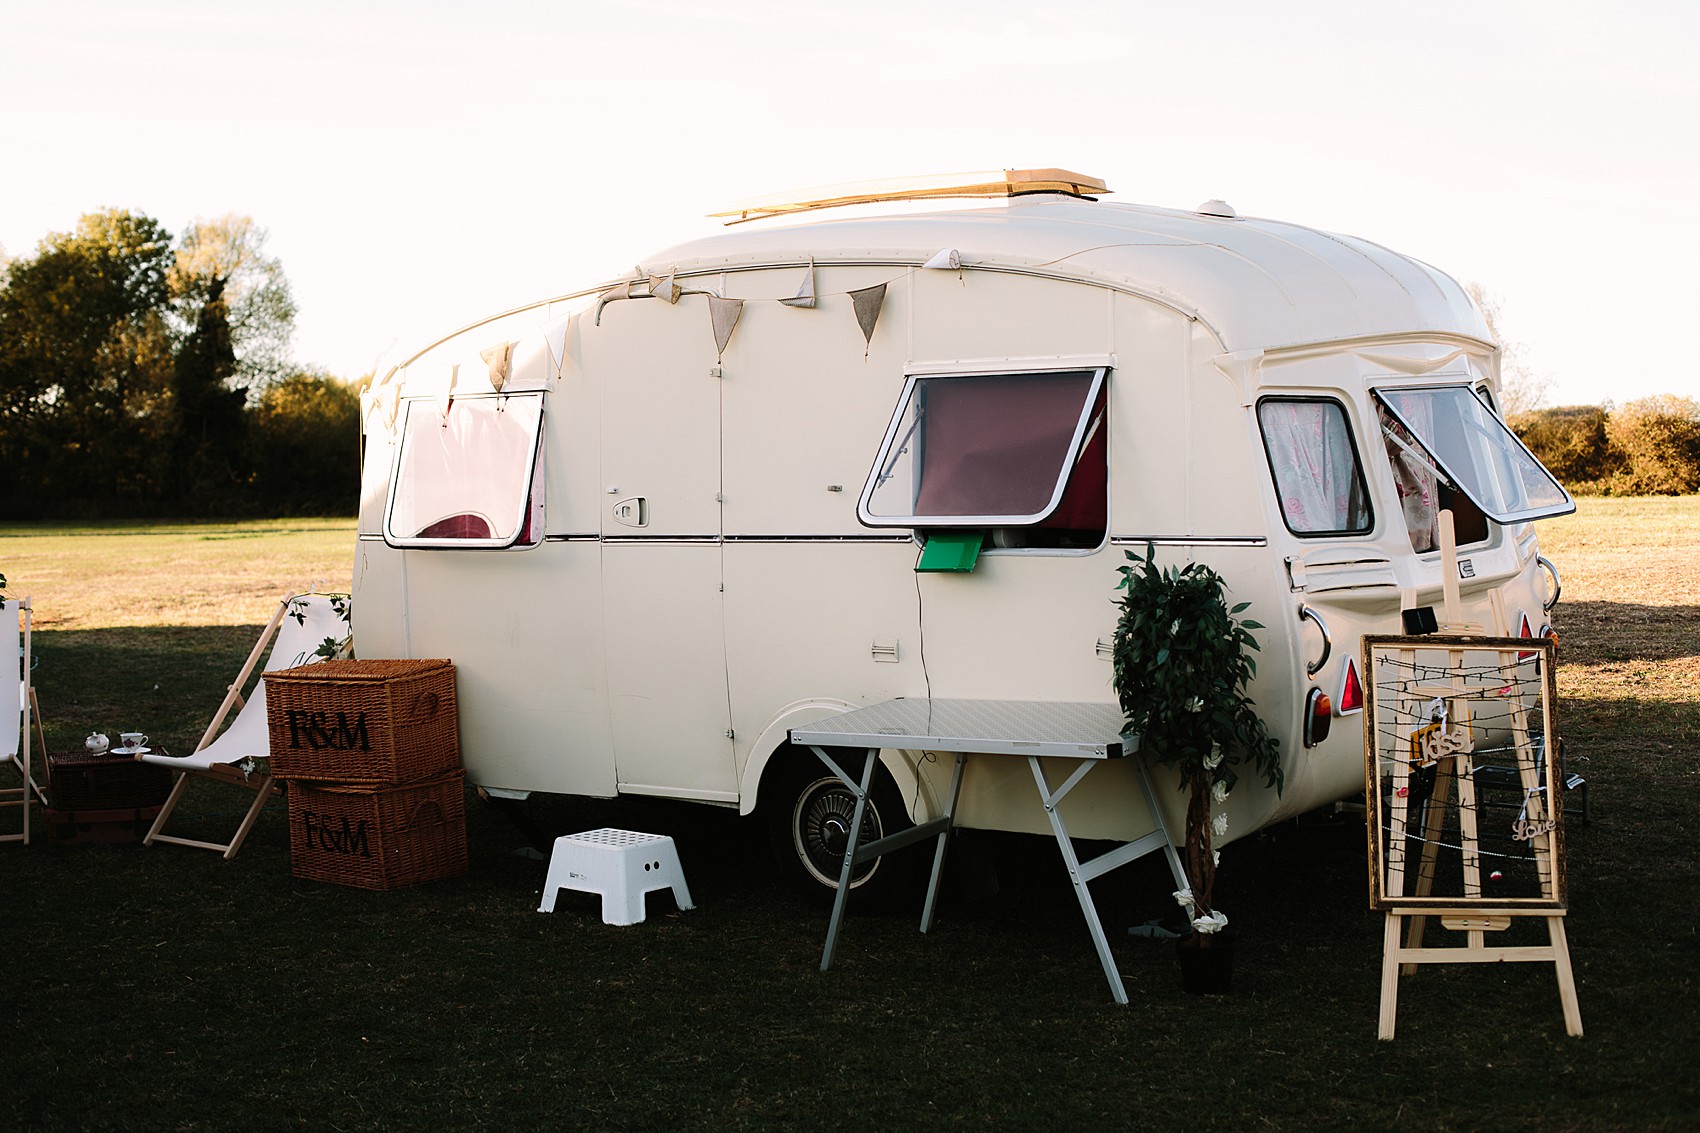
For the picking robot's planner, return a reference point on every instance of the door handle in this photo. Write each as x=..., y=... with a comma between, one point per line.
x=633, y=511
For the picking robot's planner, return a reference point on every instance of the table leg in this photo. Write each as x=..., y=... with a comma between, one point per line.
x=843, y=895
x=944, y=841
x=1052, y=801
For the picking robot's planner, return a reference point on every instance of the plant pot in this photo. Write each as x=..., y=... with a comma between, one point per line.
x=1207, y=963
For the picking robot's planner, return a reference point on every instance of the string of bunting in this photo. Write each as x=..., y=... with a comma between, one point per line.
x=724, y=312
x=867, y=303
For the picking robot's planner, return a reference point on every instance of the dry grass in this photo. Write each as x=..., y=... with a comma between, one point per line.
x=90, y=577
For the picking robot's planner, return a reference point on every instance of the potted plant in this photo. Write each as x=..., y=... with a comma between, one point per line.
x=1182, y=667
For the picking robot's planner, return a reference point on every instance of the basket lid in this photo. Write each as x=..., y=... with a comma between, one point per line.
x=363, y=669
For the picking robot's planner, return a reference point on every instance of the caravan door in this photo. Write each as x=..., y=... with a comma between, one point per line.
x=661, y=555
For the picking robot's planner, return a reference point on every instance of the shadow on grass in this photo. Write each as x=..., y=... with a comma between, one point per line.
x=1592, y=633
x=166, y=681
x=164, y=988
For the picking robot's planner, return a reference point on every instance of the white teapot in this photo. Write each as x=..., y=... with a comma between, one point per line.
x=96, y=743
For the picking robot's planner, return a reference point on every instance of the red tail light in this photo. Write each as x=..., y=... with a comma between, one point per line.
x=1351, y=690
x=1525, y=630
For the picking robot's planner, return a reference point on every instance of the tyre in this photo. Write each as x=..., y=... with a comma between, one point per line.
x=809, y=813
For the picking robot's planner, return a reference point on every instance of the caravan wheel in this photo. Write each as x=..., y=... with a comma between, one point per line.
x=809, y=818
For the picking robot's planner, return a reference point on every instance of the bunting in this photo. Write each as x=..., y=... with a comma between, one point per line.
x=498, y=358
x=725, y=314
x=868, y=302
x=556, y=336
x=805, y=296
x=621, y=290
x=665, y=289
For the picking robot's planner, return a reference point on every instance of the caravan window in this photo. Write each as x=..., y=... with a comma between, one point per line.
x=1315, y=464
x=1449, y=450
x=470, y=476
x=992, y=450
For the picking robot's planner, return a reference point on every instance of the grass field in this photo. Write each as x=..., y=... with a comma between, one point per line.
x=166, y=989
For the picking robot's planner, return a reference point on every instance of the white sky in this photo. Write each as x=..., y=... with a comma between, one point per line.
x=420, y=164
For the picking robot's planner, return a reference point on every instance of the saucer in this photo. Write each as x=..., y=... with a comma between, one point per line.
x=131, y=750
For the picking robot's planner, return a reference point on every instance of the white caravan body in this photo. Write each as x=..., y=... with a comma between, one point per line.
x=656, y=528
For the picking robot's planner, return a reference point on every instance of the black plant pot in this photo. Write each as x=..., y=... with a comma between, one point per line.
x=1206, y=968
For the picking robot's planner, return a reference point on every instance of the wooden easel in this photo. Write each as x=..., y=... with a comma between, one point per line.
x=1454, y=768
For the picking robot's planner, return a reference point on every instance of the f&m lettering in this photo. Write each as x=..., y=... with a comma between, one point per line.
x=318, y=729
x=331, y=837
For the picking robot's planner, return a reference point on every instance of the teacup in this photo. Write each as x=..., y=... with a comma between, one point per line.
x=133, y=740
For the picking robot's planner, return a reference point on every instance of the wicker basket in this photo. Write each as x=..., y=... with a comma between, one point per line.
x=378, y=837
x=120, y=824
x=373, y=722
x=79, y=781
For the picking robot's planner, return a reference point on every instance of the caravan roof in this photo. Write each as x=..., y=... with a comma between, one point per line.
x=1260, y=284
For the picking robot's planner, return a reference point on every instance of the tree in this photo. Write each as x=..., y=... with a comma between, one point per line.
x=1520, y=390
x=85, y=353
x=223, y=261
x=1659, y=438
x=304, y=441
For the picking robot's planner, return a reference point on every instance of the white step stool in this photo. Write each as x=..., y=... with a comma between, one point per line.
x=621, y=865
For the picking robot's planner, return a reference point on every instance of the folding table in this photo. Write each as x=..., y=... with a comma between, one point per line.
x=1089, y=734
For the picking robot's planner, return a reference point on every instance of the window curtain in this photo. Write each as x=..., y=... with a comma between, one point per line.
x=1419, y=490
x=1315, y=469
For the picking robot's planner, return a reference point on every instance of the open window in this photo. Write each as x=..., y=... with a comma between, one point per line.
x=1019, y=453
x=1450, y=452
x=470, y=477
x=1318, y=477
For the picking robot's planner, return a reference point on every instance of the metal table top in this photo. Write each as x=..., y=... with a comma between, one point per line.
x=997, y=727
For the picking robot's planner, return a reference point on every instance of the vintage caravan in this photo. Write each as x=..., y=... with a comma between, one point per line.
x=828, y=458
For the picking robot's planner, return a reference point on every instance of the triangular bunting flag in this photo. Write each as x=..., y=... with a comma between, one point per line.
x=664, y=288
x=618, y=291
x=497, y=358
x=805, y=296
x=868, y=302
x=725, y=313
x=443, y=389
x=556, y=336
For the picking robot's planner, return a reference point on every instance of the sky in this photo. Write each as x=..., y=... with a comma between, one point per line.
x=418, y=165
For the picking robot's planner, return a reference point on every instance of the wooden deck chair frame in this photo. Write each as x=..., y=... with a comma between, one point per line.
x=253, y=772
x=28, y=793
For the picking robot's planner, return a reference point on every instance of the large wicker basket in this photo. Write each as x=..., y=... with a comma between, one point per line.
x=370, y=722
x=378, y=837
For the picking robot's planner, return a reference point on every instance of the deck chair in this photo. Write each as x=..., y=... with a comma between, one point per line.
x=18, y=710
x=241, y=754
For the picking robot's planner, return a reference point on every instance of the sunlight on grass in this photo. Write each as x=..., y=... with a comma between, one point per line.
x=101, y=576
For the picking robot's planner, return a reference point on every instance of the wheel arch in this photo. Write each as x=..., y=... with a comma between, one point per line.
x=773, y=748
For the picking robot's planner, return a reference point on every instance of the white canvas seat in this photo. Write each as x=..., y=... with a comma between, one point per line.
x=240, y=755
x=17, y=711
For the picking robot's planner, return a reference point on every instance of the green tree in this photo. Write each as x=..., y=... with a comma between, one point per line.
x=85, y=352
x=1571, y=441
x=304, y=440
x=1659, y=439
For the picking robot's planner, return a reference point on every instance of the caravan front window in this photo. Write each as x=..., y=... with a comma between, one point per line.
x=468, y=475
x=1317, y=475
x=1449, y=451
x=992, y=451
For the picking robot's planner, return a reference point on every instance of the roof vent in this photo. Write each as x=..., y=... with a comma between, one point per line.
x=1214, y=207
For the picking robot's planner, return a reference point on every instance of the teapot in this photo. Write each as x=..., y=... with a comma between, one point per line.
x=96, y=743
